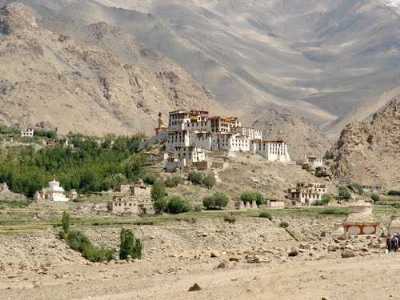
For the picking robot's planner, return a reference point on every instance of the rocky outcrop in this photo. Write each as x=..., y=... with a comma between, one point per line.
x=367, y=152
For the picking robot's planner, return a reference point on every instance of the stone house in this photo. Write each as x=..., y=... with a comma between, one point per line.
x=132, y=199
x=307, y=194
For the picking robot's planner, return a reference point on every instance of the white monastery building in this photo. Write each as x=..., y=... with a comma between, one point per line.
x=189, y=131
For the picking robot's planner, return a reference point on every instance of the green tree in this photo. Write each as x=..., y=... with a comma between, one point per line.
x=177, y=205
x=375, y=197
x=158, y=191
x=344, y=193
x=249, y=197
x=216, y=201
x=196, y=178
x=209, y=181
x=160, y=205
x=130, y=246
x=65, y=222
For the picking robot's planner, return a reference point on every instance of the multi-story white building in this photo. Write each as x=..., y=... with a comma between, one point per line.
x=196, y=129
x=271, y=150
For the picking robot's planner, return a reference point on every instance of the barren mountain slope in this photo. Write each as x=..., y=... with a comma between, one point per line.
x=368, y=152
x=79, y=87
x=333, y=55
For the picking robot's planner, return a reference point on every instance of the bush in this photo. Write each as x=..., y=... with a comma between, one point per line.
x=325, y=199
x=284, y=224
x=230, y=219
x=393, y=193
x=216, y=201
x=177, y=205
x=149, y=179
x=196, y=178
x=173, y=181
x=130, y=246
x=265, y=214
x=65, y=222
x=79, y=242
x=344, y=193
x=209, y=181
x=158, y=191
x=253, y=196
x=375, y=197
x=160, y=205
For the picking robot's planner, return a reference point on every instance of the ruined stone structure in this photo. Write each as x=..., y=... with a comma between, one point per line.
x=197, y=129
x=307, y=194
x=54, y=192
x=132, y=199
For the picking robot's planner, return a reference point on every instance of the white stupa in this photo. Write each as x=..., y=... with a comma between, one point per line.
x=55, y=192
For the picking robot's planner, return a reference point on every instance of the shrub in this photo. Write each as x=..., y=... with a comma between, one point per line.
x=65, y=222
x=252, y=196
x=130, y=246
x=230, y=219
x=196, y=178
x=79, y=242
x=149, y=179
x=216, y=201
x=209, y=181
x=265, y=214
x=158, y=191
x=325, y=199
x=160, y=205
x=173, y=181
x=343, y=193
x=375, y=198
x=284, y=224
x=177, y=205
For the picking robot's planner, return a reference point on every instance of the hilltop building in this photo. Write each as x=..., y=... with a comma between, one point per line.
x=189, y=131
x=132, y=199
x=307, y=194
x=54, y=192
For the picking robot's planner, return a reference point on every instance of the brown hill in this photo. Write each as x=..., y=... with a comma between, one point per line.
x=367, y=152
x=81, y=86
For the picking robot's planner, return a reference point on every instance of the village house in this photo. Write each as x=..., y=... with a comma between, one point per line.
x=27, y=133
x=54, y=192
x=225, y=134
x=132, y=199
x=307, y=194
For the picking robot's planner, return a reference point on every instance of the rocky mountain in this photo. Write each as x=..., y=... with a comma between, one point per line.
x=321, y=59
x=367, y=152
x=80, y=84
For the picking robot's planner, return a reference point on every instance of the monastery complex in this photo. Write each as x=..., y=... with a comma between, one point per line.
x=190, y=134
